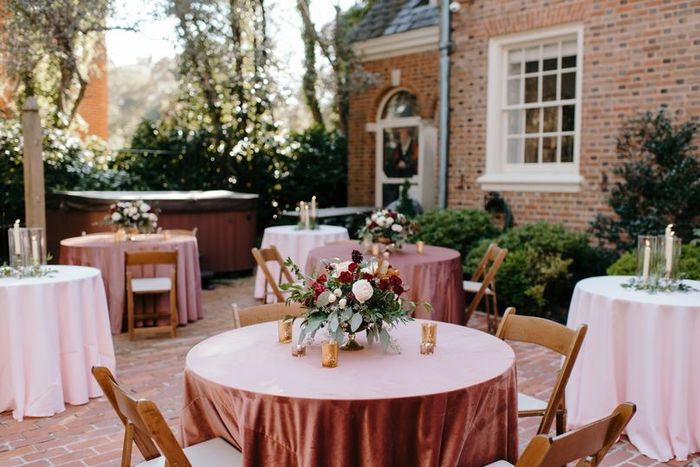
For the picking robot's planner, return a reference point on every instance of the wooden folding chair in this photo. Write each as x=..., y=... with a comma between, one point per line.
x=264, y=255
x=185, y=232
x=144, y=286
x=105, y=379
x=263, y=313
x=483, y=284
x=553, y=336
x=143, y=421
x=588, y=445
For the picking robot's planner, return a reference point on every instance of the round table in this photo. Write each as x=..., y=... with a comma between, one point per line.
x=53, y=329
x=434, y=277
x=456, y=407
x=641, y=348
x=103, y=252
x=295, y=243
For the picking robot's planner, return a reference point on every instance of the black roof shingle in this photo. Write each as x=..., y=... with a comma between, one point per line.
x=388, y=17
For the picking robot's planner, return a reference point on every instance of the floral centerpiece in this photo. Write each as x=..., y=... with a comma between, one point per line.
x=388, y=227
x=133, y=215
x=350, y=297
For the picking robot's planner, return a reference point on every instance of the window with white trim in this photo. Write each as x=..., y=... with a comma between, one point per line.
x=534, y=110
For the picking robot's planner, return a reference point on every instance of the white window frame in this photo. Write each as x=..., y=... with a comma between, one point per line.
x=538, y=177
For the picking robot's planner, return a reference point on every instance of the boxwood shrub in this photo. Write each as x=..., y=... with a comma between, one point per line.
x=459, y=229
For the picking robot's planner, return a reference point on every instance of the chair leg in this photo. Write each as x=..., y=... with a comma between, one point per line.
x=496, y=317
x=487, y=309
x=130, y=314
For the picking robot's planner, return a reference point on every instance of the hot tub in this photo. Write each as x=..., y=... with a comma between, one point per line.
x=225, y=220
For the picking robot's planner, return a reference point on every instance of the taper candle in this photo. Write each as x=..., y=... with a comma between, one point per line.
x=18, y=242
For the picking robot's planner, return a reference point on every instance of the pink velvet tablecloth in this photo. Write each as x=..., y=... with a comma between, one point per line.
x=53, y=329
x=102, y=252
x=456, y=407
x=434, y=276
x=641, y=348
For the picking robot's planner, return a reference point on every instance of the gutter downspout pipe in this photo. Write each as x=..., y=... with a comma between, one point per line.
x=444, y=112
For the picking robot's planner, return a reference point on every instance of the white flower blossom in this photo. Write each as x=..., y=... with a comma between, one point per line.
x=362, y=290
x=337, y=292
x=342, y=303
x=145, y=207
x=331, y=298
x=116, y=217
x=396, y=228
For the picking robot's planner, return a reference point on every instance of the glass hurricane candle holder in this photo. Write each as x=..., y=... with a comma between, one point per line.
x=668, y=255
x=374, y=250
x=420, y=247
x=329, y=354
x=429, y=333
x=34, y=240
x=284, y=331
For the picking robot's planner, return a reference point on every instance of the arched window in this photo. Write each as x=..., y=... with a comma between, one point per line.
x=402, y=104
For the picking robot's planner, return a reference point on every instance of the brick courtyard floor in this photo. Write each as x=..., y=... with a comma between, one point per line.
x=153, y=368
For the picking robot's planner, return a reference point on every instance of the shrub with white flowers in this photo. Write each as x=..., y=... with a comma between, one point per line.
x=133, y=214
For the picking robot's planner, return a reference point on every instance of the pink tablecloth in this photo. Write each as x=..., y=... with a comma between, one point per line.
x=434, y=276
x=102, y=252
x=53, y=329
x=641, y=348
x=456, y=407
x=295, y=243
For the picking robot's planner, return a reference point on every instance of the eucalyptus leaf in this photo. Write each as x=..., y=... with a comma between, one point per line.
x=355, y=322
x=322, y=299
x=385, y=339
x=333, y=322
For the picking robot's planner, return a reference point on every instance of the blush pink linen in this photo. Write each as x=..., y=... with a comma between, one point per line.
x=434, y=277
x=52, y=331
x=102, y=252
x=456, y=407
x=641, y=348
x=295, y=243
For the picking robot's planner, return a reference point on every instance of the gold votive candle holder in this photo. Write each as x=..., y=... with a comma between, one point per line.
x=374, y=250
x=329, y=354
x=284, y=331
x=420, y=247
x=299, y=351
x=167, y=235
x=428, y=333
x=426, y=348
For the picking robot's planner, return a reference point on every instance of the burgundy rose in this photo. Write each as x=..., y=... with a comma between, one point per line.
x=394, y=280
x=356, y=256
x=321, y=279
x=392, y=214
x=317, y=288
x=398, y=290
x=372, y=225
x=352, y=267
x=350, y=296
x=383, y=284
x=345, y=277
x=367, y=276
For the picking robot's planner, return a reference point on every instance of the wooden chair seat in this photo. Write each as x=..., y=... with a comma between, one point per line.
x=151, y=285
x=588, y=444
x=474, y=287
x=211, y=453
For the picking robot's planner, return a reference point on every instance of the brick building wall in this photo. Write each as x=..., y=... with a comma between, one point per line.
x=418, y=75
x=94, y=106
x=637, y=56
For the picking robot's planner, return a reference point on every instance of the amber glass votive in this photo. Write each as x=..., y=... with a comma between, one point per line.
x=374, y=250
x=329, y=354
x=426, y=348
x=420, y=247
x=284, y=331
x=428, y=333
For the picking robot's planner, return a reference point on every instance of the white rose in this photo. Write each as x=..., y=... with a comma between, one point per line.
x=331, y=298
x=396, y=228
x=153, y=217
x=338, y=292
x=340, y=267
x=389, y=220
x=362, y=290
x=145, y=207
x=116, y=216
x=135, y=217
x=341, y=303
x=374, y=217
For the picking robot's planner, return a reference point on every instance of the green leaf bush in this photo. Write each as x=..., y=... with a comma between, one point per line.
x=544, y=263
x=459, y=229
x=689, y=263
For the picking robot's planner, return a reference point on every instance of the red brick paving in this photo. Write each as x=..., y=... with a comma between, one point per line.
x=91, y=435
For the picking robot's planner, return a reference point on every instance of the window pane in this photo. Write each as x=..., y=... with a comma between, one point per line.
x=515, y=58
x=532, y=59
x=531, y=89
x=550, y=53
x=532, y=121
x=549, y=149
x=401, y=152
x=568, y=52
x=567, y=117
x=531, y=150
x=551, y=115
x=401, y=104
x=515, y=151
x=514, y=91
x=549, y=87
x=568, y=85
x=567, y=148
x=515, y=122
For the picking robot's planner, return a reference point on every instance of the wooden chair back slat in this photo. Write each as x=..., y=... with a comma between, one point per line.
x=140, y=258
x=105, y=379
x=486, y=274
x=264, y=313
x=588, y=444
x=553, y=336
x=144, y=417
x=262, y=256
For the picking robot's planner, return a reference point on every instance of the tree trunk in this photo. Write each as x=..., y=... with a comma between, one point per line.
x=308, y=35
